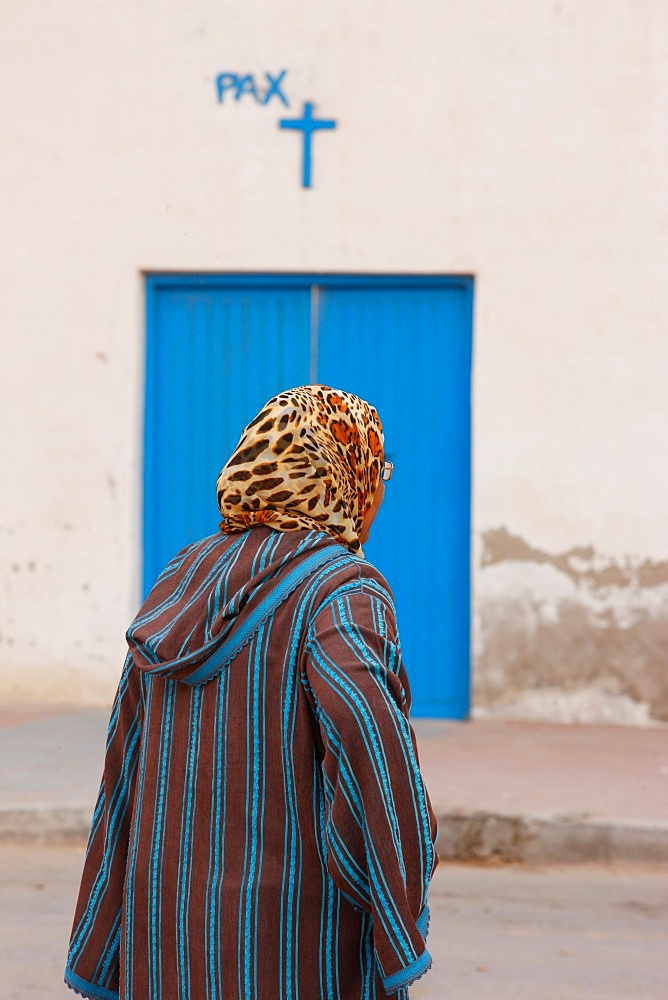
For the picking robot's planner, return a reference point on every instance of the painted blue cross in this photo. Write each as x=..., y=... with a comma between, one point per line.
x=307, y=124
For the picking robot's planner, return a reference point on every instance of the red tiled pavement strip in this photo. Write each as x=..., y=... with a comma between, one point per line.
x=598, y=773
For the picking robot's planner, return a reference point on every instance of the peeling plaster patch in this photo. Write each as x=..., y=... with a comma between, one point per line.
x=577, y=623
x=534, y=592
x=582, y=563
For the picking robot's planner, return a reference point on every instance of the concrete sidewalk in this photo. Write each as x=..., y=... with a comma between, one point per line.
x=501, y=790
x=525, y=791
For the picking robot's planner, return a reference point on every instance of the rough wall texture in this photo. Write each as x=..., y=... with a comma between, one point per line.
x=573, y=636
x=521, y=142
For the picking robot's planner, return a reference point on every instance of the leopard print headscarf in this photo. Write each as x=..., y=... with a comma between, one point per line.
x=310, y=459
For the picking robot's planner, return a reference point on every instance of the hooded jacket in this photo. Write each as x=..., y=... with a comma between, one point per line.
x=262, y=828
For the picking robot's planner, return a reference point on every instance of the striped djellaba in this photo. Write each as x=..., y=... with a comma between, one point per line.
x=262, y=829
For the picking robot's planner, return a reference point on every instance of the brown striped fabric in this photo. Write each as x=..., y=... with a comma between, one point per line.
x=262, y=829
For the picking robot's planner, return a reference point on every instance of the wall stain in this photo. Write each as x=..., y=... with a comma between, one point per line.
x=581, y=563
x=570, y=622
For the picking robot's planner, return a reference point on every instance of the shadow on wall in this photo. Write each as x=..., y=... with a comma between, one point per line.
x=575, y=637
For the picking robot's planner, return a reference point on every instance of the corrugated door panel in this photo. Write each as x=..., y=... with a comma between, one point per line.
x=215, y=354
x=408, y=351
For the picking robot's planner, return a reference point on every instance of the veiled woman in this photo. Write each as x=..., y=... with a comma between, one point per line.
x=262, y=829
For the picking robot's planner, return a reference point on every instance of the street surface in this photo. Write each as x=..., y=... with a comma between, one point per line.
x=506, y=933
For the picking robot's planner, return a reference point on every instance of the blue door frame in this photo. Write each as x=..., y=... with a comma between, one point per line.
x=218, y=346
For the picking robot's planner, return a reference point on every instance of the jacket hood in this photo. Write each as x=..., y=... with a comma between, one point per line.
x=209, y=593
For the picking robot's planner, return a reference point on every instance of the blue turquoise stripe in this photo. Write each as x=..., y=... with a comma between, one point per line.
x=89, y=989
x=409, y=974
x=147, y=700
x=256, y=669
x=186, y=834
x=155, y=918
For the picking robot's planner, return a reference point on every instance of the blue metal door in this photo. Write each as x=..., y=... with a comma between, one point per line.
x=219, y=346
x=215, y=354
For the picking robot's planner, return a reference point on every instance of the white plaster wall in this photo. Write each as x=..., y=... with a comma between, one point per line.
x=523, y=142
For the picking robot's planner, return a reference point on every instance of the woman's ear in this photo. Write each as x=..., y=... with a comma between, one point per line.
x=370, y=515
